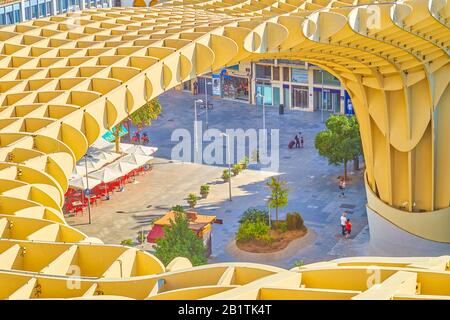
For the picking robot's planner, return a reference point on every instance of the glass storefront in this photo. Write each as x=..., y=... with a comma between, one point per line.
x=202, y=82
x=331, y=99
x=34, y=9
x=10, y=14
x=264, y=89
x=299, y=97
x=235, y=88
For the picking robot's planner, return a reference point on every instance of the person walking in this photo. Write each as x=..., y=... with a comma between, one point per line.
x=297, y=141
x=348, y=228
x=342, y=186
x=344, y=223
x=301, y=141
x=195, y=85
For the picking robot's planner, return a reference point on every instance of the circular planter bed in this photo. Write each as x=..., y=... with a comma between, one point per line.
x=280, y=241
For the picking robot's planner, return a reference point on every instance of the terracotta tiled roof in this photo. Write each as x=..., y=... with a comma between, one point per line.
x=193, y=217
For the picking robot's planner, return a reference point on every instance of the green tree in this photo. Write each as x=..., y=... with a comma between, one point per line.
x=279, y=197
x=140, y=118
x=340, y=142
x=180, y=241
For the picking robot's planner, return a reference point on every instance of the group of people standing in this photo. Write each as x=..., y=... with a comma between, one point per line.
x=137, y=137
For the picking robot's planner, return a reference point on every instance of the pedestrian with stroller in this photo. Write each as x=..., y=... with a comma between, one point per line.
x=297, y=141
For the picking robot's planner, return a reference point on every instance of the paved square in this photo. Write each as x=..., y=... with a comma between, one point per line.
x=312, y=182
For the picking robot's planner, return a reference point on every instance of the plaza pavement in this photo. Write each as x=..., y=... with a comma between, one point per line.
x=312, y=182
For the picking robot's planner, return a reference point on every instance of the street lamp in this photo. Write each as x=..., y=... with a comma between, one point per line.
x=195, y=124
x=259, y=95
x=87, y=185
x=206, y=102
x=229, y=161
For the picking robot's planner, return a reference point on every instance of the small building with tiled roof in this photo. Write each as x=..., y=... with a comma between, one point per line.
x=200, y=224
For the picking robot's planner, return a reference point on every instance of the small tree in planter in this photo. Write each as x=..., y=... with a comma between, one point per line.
x=279, y=197
x=244, y=163
x=204, y=190
x=226, y=175
x=192, y=200
x=237, y=168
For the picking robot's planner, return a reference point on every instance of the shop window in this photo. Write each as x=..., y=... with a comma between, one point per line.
x=2, y=15
x=9, y=15
x=34, y=9
x=276, y=73
x=286, y=75
x=263, y=72
x=49, y=7
x=27, y=7
x=299, y=75
x=235, y=88
x=293, y=62
x=42, y=9
x=17, y=15
x=64, y=5
x=328, y=79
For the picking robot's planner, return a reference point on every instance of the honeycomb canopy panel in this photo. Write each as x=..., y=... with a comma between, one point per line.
x=65, y=80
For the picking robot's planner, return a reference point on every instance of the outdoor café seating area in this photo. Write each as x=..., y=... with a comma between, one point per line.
x=102, y=172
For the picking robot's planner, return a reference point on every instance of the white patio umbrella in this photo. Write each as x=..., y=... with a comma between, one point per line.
x=92, y=165
x=123, y=167
x=141, y=150
x=105, y=155
x=106, y=174
x=81, y=183
x=136, y=159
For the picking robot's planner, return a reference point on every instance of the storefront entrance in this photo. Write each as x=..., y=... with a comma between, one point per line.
x=331, y=100
x=202, y=82
x=299, y=97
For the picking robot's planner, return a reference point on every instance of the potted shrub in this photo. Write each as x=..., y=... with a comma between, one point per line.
x=192, y=200
x=254, y=214
x=244, y=163
x=294, y=221
x=204, y=190
x=236, y=169
x=226, y=175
